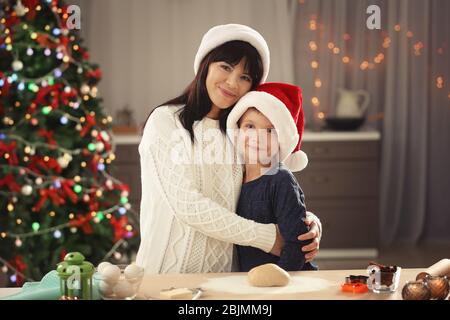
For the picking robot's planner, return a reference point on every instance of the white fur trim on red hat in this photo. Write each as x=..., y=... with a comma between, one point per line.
x=221, y=34
x=275, y=111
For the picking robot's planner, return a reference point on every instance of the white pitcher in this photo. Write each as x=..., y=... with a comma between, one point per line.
x=350, y=106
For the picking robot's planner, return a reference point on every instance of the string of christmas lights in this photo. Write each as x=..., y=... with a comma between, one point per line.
x=364, y=65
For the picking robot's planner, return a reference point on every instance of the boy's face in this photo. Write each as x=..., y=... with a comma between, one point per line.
x=258, y=138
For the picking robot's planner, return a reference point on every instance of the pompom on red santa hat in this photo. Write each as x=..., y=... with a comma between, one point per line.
x=281, y=103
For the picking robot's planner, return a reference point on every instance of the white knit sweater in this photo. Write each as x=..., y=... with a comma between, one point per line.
x=188, y=221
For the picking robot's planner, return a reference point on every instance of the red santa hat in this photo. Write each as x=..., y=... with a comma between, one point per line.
x=221, y=34
x=281, y=103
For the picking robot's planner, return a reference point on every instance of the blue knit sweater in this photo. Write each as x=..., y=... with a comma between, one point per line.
x=275, y=197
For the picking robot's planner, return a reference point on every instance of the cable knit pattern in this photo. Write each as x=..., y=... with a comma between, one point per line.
x=188, y=219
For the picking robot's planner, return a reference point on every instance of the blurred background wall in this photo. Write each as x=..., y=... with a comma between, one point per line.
x=146, y=50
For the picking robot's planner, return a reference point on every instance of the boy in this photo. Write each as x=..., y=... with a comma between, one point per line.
x=270, y=122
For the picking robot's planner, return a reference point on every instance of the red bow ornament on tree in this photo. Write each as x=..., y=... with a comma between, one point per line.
x=5, y=87
x=9, y=149
x=20, y=266
x=83, y=222
x=37, y=163
x=95, y=74
x=47, y=134
x=9, y=182
x=66, y=187
x=119, y=227
x=41, y=97
x=90, y=122
x=51, y=193
x=31, y=5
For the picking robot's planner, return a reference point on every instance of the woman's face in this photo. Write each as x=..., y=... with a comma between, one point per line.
x=226, y=84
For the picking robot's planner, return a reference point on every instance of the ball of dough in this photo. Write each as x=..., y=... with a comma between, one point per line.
x=124, y=289
x=110, y=274
x=268, y=275
x=133, y=273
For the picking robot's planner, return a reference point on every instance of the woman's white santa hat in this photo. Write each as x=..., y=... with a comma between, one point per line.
x=281, y=103
x=221, y=34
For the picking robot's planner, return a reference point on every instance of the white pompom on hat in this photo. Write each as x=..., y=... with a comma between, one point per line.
x=221, y=34
x=281, y=103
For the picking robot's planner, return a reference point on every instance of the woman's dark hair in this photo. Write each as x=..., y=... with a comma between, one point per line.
x=195, y=97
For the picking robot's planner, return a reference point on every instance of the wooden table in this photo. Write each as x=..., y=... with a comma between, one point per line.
x=152, y=285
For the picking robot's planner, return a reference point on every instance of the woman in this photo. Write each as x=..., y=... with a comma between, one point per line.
x=188, y=219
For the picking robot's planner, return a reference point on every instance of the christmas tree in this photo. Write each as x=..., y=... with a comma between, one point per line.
x=56, y=192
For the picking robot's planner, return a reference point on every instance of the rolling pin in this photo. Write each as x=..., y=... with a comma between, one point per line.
x=440, y=268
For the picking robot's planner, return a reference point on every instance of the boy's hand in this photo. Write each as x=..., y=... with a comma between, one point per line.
x=278, y=245
x=313, y=233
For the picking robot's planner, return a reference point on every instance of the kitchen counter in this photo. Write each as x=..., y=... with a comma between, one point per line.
x=312, y=280
x=317, y=285
x=368, y=135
